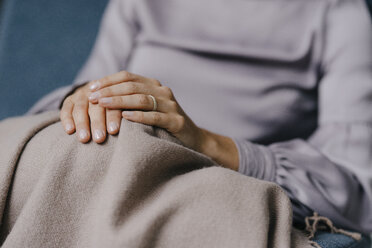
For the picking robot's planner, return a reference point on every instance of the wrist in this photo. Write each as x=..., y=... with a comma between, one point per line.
x=220, y=148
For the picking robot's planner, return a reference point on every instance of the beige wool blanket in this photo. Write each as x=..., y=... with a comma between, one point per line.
x=141, y=188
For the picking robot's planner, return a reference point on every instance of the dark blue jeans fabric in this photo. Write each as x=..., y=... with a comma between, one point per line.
x=328, y=240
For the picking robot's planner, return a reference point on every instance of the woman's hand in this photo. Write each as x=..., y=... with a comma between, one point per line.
x=78, y=114
x=131, y=93
x=98, y=106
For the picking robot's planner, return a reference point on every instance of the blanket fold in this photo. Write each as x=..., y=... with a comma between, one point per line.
x=141, y=188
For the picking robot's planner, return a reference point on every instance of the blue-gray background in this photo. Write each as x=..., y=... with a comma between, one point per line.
x=43, y=44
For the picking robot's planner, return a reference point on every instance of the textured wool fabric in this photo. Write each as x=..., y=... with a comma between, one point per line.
x=139, y=189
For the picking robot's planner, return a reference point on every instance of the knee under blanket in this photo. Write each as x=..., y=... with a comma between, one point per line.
x=141, y=188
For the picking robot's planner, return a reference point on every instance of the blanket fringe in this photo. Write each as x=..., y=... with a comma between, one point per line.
x=314, y=244
x=317, y=223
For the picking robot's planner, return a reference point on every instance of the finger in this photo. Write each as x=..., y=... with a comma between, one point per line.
x=113, y=120
x=123, y=89
x=97, y=116
x=123, y=76
x=137, y=101
x=66, y=116
x=149, y=118
x=81, y=119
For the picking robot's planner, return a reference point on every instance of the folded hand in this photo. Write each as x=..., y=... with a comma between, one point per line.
x=100, y=104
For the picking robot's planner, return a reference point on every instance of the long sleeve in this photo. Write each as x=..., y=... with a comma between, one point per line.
x=331, y=172
x=110, y=53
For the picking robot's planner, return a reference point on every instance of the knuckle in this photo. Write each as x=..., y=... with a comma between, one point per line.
x=79, y=111
x=80, y=105
x=125, y=74
x=173, y=105
x=140, y=116
x=156, y=82
x=105, y=79
x=65, y=112
x=78, y=108
x=167, y=91
x=97, y=117
x=131, y=88
x=79, y=96
x=65, y=106
x=143, y=100
x=68, y=100
x=156, y=118
x=82, y=90
x=90, y=83
x=120, y=100
x=180, y=122
x=105, y=92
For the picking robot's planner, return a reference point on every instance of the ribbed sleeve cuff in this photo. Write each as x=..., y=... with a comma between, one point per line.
x=255, y=160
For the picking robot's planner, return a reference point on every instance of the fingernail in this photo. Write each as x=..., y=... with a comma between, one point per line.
x=106, y=100
x=83, y=134
x=113, y=127
x=94, y=96
x=95, y=85
x=98, y=134
x=127, y=113
x=69, y=127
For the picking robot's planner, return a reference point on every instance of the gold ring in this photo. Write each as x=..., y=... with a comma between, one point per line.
x=155, y=103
